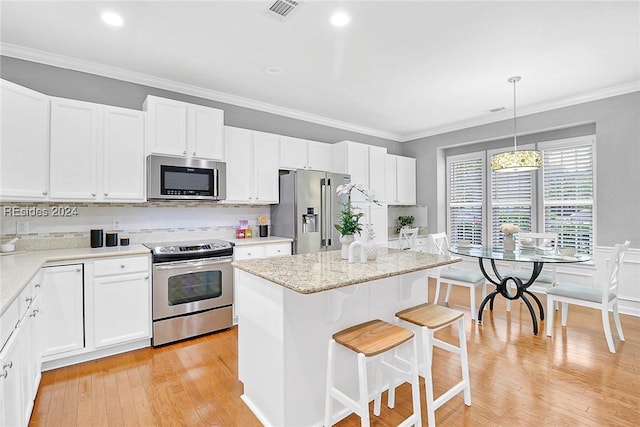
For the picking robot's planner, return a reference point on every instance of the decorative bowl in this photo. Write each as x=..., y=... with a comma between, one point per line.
x=567, y=251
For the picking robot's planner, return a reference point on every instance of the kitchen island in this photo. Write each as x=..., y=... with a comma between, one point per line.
x=288, y=308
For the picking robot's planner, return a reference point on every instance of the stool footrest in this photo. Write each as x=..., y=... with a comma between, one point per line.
x=449, y=394
x=446, y=346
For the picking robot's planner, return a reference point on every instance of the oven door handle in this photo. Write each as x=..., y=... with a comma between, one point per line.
x=192, y=263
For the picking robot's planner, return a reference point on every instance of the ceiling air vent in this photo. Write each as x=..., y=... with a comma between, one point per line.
x=283, y=7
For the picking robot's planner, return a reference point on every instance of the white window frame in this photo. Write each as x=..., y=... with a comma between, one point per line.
x=567, y=143
x=479, y=155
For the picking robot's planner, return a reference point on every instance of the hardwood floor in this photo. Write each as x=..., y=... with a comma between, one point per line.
x=517, y=379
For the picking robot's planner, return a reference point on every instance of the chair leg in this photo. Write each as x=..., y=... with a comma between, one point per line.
x=427, y=340
x=328, y=399
x=436, y=298
x=448, y=294
x=378, y=384
x=606, y=325
x=565, y=313
x=472, y=294
x=415, y=385
x=550, y=315
x=364, y=391
x=616, y=318
x=464, y=361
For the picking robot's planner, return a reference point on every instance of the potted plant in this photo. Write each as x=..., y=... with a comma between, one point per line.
x=404, y=221
x=349, y=219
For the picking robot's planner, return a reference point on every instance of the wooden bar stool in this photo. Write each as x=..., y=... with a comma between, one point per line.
x=431, y=318
x=370, y=341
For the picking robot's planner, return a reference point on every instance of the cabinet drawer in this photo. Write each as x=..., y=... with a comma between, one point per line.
x=120, y=266
x=278, y=249
x=8, y=322
x=248, y=252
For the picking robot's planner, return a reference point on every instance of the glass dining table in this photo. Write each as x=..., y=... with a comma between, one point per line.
x=537, y=256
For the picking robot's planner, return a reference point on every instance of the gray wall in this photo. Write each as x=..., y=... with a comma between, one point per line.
x=616, y=121
x=66, y=83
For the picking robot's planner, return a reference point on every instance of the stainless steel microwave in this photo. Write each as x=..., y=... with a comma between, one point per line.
x=177, y=178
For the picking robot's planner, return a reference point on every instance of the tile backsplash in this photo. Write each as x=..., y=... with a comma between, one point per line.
x=67, y=225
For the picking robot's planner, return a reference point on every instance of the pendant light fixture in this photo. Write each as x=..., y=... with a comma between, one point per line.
x=516, y=161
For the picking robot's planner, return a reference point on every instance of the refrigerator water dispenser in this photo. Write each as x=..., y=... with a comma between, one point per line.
x=309, y=221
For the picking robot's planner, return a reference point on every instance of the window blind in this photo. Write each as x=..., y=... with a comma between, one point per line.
x=568, y=195
x=466, y=190
x=511, y=202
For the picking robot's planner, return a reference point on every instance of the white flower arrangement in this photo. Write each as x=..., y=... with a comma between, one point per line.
x=509, y=228
x=349, y=217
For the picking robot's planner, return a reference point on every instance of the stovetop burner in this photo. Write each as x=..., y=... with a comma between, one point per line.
x=175, y=251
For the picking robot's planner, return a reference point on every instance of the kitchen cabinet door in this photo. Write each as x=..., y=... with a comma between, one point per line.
x=11, y=402
x=238, y=144
x=293, y=153
x=122, y=309
x=205, y=132
x=391, y=186
x=123, y=155
x=24, y=143
x=62, y=305
x=167, y=126
x=377, y=216
x=319, y=156
x=406, y=180
x=376, y=172
x=75, y=131
x=265, y=167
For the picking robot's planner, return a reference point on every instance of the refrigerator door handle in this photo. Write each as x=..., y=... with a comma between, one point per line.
x=323, y=212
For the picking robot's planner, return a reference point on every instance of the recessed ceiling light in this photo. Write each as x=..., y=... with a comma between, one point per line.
x=112, y=18
x=339, y=19
x=273, y=70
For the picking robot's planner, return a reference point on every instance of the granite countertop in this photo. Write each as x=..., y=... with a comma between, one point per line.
x=17, y=269
x=321, y=271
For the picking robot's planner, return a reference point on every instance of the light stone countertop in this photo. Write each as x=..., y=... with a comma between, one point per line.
x=321, y=271
x=17, y=269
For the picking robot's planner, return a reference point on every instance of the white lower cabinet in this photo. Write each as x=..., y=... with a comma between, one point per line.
x=20, y=358
x=121, y=301
x=63, y=306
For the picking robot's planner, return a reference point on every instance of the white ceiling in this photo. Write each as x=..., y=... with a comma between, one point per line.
x=399, y=69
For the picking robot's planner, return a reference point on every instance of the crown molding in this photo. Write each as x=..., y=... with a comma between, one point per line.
x=61, y=61
x=525, y=111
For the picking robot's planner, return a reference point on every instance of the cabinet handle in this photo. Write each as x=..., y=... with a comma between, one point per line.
x=28, y=299
x=193, y=154
x=34, y=313
x=93, y=194
x=37, y=285
x=106, y=194
x=4, y=374
x=184, y=152
x=249, y=253
x=7, y=365
x=122, y=266
x=78, y=270
x=44, y=193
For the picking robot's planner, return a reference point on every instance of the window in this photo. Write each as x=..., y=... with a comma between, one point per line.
x=567, y=181
x=466, y=196
x=511, y=200
x=559, y=198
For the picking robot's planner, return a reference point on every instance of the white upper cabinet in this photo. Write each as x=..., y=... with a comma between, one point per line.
x=366, y=165
x=401, y=180
x=297, y=153
x=123, y=154
x=252, y=166
x=182, y=129
x=75, y=132
x=24, y=143
x=97, y=152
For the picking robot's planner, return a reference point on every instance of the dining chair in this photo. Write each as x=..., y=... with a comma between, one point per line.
x=603, y=298
x=537, y=242
x=407, y=239
x=453, y=276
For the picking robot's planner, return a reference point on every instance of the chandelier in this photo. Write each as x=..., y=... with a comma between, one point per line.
x=516, y=161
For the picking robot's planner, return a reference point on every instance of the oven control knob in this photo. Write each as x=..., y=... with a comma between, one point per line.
x=160, y=250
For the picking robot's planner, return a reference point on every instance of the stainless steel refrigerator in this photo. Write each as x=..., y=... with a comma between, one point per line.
x=309, y=208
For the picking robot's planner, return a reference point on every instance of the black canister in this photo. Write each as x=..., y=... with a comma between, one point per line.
x=264, y=230
x=96, y=238
x=124, y=241
x=112, y=239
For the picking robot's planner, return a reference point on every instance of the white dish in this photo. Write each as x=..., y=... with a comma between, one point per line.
x=463, y=244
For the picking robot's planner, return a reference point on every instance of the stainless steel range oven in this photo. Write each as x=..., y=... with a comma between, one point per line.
x=192, y=289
